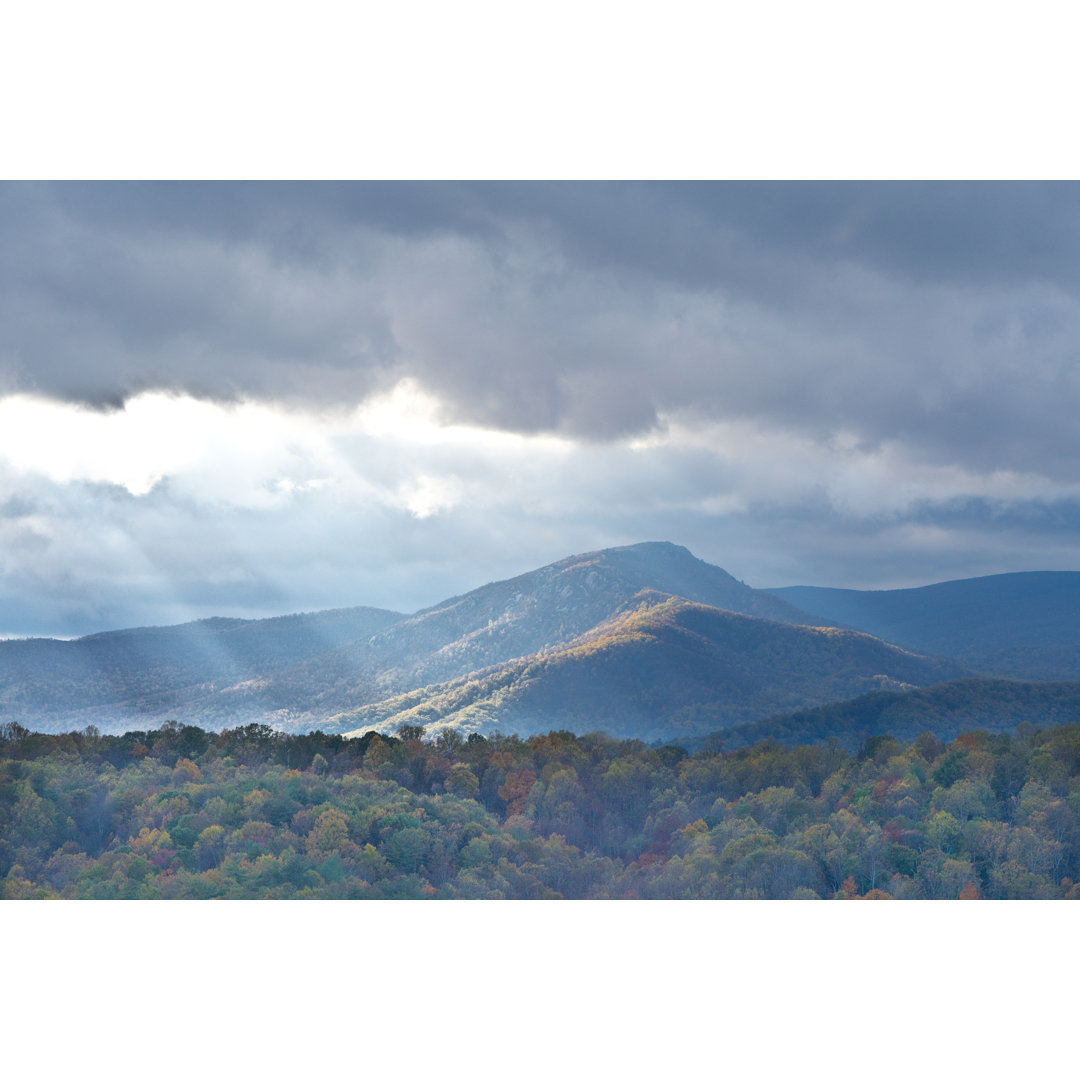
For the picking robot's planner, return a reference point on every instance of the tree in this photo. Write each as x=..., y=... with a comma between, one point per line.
x=12, y=731
x=516, y=790
x=210, y=847
x=330, y=834
x=449, y=741
x=462, y=782
x=943, y=831
x=185, y=771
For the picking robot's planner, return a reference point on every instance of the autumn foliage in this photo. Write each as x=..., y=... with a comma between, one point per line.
x=252, y=813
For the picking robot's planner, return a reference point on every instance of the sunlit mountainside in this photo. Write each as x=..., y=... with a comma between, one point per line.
x=663, y=669
x=117, y=678
x=644, y=641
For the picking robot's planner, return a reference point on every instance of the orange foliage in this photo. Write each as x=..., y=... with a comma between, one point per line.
x=516, y=790
x=651, y=858
x=881, y=788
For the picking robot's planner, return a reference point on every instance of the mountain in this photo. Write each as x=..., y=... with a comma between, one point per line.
x=946, y=710
x=1024, y=625
x=665, y=667
x=132, y=677
x=298, y=670
x=552, y=605
x=644, y=641
x=496, y=623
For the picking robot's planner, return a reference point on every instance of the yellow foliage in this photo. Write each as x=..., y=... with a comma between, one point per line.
x=186, y=772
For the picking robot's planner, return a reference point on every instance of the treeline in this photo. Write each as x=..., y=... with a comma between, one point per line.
x=252, y=813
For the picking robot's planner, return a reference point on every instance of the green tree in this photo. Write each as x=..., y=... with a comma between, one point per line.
x=462, y=782
x=210, y=847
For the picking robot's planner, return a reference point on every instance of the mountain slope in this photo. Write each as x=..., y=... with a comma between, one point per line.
x=1025, y=624
x=665, y=667
x=509, y=619
x=644, y=640
x=557, y=603
x=146, y=672
x=297, y=670
x=947, y=710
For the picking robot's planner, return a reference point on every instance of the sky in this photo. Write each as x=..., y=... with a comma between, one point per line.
x=255, y=398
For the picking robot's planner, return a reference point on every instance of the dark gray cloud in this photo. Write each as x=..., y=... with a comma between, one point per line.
x=931, y=313
x=850, y=384
x=579, y=307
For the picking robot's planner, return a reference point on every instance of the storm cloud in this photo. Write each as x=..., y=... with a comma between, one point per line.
x=841, y=383
x=929, y=313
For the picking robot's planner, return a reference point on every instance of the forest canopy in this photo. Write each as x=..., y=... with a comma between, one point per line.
x=250, y=812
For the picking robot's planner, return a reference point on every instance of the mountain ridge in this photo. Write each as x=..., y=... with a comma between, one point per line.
x=518, y=616
x=994, y=622
x=667, y=664
x=945, y=710
x=645, y=640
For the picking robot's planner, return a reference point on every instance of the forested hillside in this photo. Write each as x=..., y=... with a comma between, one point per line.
x=644, y=641
x=122, y=677
x=296, y=671
x=507, y=620
x=302, y=672
x=664, y=669
x=1021, y=625
x=253, y=813
x=993, y=705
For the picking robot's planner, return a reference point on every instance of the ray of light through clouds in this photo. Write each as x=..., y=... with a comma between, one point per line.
x=253, y=399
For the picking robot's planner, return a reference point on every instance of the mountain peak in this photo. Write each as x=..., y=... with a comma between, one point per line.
x=647, y=558
x=658, y=547
x=664, y=567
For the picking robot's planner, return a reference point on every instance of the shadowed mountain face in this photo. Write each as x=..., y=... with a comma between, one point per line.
x=946, y=710
x=664, y=668
x=1025, y=625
